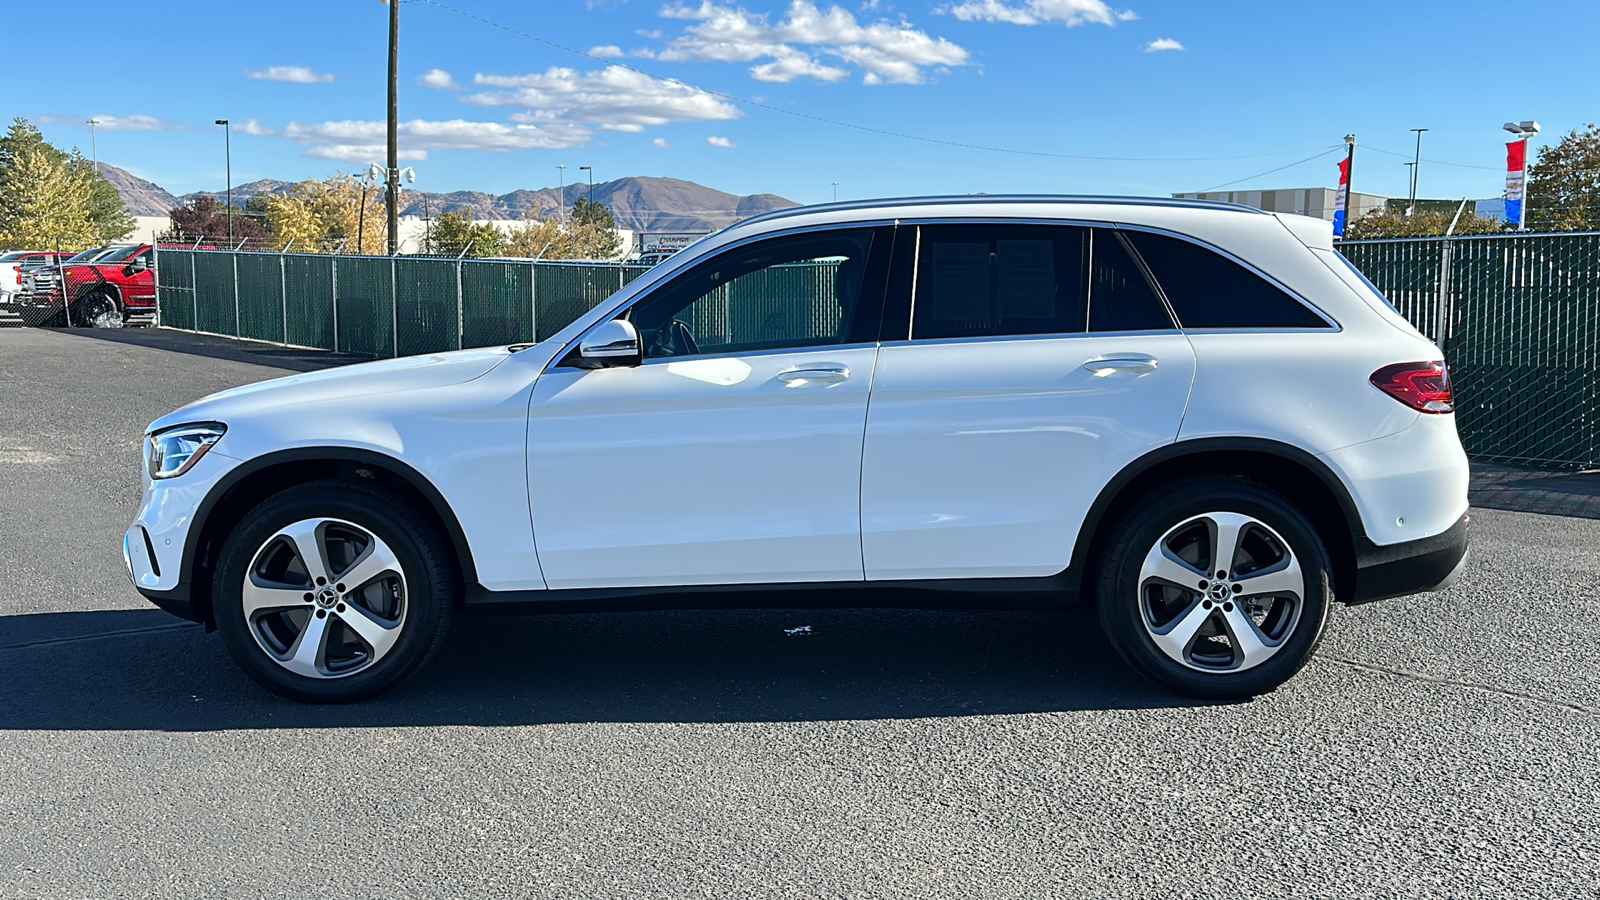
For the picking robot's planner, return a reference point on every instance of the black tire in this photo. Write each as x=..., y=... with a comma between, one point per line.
x=88, y=311
x=429, y=589
x=1126, y=607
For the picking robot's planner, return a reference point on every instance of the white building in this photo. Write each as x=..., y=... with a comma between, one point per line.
x=1317, y=202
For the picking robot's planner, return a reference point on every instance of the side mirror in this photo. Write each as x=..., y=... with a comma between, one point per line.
x=138, y=265
x=613, y=343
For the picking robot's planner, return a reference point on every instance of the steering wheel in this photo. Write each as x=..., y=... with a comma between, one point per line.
x=673, y=339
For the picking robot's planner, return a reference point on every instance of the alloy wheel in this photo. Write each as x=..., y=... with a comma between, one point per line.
x=325, y=598
x=1221, y=592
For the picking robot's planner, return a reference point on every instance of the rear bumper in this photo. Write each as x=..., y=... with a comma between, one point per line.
x=1411, y=567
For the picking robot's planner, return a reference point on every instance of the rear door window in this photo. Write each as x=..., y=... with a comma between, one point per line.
x=1120, y=296
x=1209, y=290
x=998, y=281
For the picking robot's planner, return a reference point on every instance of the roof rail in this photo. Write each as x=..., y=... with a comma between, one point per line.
x=1107, y=200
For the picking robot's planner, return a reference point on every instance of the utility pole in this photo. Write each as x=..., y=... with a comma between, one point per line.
x=1349, y=175
x=1416, y=168
x=94, y=145
x=227, y=145
x=392, y=177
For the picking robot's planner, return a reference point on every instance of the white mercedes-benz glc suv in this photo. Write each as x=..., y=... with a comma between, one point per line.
x=1196, y=416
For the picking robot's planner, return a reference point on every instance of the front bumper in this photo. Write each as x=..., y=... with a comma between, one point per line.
x=156, y=546
x=1413, y=567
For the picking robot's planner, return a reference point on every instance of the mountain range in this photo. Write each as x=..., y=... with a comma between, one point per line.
x=639, y=204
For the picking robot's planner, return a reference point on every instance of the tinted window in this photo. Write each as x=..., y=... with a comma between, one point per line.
x=986, y=280
x=1120, y=296
x=801, y=291
x=1208, y=290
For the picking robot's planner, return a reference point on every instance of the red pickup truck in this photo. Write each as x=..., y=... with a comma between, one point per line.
x=103, y=293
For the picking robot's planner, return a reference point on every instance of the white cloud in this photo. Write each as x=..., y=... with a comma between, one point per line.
x=439, y=80
x=254, y=127
x=1070, y=13
x=659, y=142
x=613, y=99
x=135, y=123
x=359, y=141
x=1161, y=44
x=886, y=51
x=607, y=51
x=719, y=142
x=296, y=74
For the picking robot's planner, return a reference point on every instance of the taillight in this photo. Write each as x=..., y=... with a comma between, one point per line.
x=1423, y=386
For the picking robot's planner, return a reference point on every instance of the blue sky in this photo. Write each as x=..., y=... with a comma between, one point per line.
x=669, y=87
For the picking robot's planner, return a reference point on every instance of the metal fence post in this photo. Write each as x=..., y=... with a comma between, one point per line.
x=394, y=305
x=1442, y=306
x=283, y=282
x=233, y=256
x=460, y=306
x=533, y=301
x=194, y=291
x=155, y=271
x=333, y=265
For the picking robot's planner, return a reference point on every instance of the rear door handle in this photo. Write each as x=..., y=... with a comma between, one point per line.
x=1132, y=362
x=826, y=373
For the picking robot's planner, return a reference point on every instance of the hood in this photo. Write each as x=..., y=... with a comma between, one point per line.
x=361, y=380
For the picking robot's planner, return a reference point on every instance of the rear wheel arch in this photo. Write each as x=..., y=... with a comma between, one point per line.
x=246, y=486
x=1298, y=476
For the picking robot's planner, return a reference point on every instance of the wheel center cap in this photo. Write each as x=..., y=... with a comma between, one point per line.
x=327, y=597
x=1219, y=591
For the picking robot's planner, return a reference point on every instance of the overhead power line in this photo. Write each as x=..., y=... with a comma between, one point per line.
x=1270, y=171
x=842, y=124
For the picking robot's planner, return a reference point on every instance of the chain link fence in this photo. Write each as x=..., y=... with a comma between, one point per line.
x=378, y=306
x=1518, y=317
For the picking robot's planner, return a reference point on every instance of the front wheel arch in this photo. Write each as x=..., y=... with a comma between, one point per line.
x=254, y=481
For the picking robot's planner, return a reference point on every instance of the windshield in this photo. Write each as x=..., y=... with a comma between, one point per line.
x=15, y=254
x=87, y=255
x=121, y=255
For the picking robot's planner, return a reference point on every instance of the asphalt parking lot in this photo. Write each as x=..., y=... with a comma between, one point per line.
x=1437, y=746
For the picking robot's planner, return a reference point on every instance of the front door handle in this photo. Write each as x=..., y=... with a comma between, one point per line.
x=1131, y=362
x=824, y=374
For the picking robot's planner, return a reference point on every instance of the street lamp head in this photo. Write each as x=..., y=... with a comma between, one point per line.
x=1529, y=127
x=222, y=121
x=586, y=168
x=1349, y=139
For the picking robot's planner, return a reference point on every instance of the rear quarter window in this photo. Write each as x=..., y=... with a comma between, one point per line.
x=1209, y=290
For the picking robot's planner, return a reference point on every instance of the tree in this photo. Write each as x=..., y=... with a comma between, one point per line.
x=206, y=219
x=1382, y=224
x=455, y=233
x=51, y=199
x=594, y=231
x=539, y=239
x=1563, y=191
x=323, y=216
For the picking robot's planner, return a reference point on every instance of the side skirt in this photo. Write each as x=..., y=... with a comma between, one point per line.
x=1051, y=592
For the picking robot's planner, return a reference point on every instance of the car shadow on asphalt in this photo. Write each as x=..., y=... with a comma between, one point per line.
x=296, y=359
x=144, y=670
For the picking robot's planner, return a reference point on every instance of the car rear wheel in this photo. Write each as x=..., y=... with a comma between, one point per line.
x=331, y=592
x=1216, y=588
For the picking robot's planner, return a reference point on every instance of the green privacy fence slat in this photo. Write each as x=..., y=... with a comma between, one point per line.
x=496, y=303
x=308, y=298
x=1517, y=318
x=364, y=296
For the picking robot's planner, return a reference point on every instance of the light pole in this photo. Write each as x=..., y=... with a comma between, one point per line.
x=1349, y=181
x=561, y=192
x=227, y=145
x=1524, y=130
x=1416, y=169
x=836, y=192
x=590, y=170
x=393, y=179
x=94, y=145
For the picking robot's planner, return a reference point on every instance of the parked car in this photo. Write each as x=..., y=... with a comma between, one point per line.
x=104, y=288
x=14, y=263
x=1196, y=416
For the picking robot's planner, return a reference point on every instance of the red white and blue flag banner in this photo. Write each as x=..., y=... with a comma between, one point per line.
x=1340, y=197
x=1516, y=171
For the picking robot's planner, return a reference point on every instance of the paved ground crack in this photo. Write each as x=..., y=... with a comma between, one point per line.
x=98, y=635
x=1435, y=679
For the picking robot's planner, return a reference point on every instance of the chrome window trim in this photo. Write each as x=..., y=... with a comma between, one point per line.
x=685, y=265
x=1056, y=336
x=1248, y=266
x=774, y=351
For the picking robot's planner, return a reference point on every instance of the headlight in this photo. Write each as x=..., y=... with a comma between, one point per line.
x=176, y=450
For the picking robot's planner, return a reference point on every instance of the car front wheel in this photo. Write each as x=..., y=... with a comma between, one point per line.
x=1216, y=588
x=330, y=592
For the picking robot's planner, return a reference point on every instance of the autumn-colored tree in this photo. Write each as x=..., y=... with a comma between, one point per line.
x=1564, y=185
x=1381, y=224
x=205, y=219
x=455, y=233
x=325, y=216
x=539, y=239
x=594, y=231
x=52, y=199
